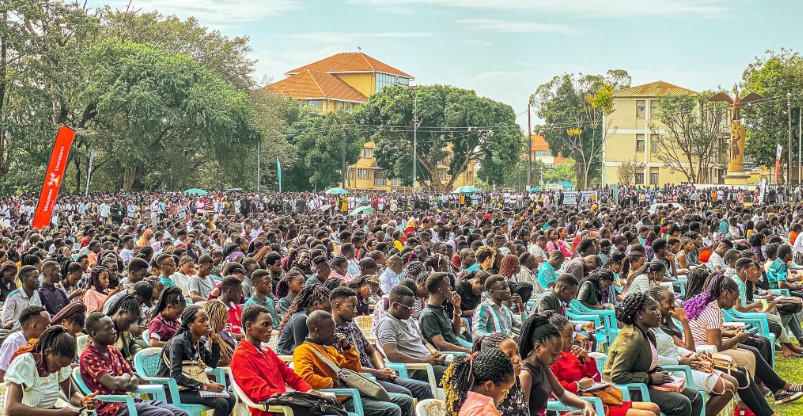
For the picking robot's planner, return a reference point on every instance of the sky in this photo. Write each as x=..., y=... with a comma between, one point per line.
x=505, y=49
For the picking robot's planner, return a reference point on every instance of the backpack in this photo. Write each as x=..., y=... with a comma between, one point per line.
x=306, y=404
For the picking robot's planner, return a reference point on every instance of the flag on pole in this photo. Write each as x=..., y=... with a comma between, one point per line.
x=279, y=173
x=778, y=151
x=53, y=176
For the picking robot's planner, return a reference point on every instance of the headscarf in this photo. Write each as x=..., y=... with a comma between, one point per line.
x=73, y=308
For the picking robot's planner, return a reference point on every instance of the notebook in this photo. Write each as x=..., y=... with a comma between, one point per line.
x=205, y=394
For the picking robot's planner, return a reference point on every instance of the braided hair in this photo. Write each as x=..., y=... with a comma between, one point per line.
x=632, y=304
x=94, y=279
x=536, y=330
x=696, y=282
x=715, y=286
x=283, y=287
x=468, y=371
x=58, y=340
x=188, y=317
x=218, y=317
x=126, y=303
x=306, y=298
x=491, y=340
x=557, y=319
x=171, y=296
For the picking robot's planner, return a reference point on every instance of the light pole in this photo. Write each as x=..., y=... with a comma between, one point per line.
x=789, y=144
x=529, y=150
x=415, y=136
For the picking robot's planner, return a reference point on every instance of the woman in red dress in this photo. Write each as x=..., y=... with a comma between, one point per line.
x=575, y=369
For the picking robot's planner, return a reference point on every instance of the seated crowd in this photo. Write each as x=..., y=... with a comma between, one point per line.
x=492, y=308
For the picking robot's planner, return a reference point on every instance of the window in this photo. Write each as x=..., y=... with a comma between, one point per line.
x=543, y=153
x=653, y=178
x=639, y=142
x=367, y=153
x=380, y=181
x=654, y=108
x=639, y=178
x=395, y=182
x=443, y=176
x=469, y=178
x=363, y=174
x=641, y=106
x=655, y=143
x=386, y=80
x=316, y=104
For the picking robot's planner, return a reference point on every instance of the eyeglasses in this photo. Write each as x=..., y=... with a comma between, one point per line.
x=401, y=305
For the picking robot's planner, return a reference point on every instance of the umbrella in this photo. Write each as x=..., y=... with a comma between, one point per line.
x=565, y=184
x=337, y=191
x=195, y=191
x=535, y=189
x=465, y=190
x=361, y=210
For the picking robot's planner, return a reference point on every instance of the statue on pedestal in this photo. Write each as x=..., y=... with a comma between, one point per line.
x=737, y=134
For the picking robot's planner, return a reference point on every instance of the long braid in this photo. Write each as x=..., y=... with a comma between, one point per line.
x=536, y=330
x=305, y=299
x=170, y=296
x=468, y=371
x=218, y=317
x=58, y=340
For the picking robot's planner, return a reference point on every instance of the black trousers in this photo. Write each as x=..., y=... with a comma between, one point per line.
x=750, y=393
x=689, y=402
x=221, y=406
x=764, y=371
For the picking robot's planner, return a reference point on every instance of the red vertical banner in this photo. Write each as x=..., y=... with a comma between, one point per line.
x=53, y=176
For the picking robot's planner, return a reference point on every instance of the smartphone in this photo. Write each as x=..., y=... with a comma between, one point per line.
x=752, y=330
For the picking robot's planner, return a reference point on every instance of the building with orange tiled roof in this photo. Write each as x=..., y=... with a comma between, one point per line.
x=633, y=138
x=541, y=152
x=342, y=82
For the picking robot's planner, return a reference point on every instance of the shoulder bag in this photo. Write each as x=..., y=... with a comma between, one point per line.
x=355, y=380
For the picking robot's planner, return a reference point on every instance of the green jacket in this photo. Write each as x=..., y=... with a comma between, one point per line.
x=629, y=358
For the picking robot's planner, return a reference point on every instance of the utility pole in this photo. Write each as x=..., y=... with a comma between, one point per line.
x=259, y=165
x=344, y=172
x=799, y=142
x=789, y=145
x=415, y=136
x=529, y=150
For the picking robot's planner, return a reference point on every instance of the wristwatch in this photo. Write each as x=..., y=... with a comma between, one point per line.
x=204, y=387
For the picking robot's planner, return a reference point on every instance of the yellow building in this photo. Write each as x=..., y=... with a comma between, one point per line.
x=633, y=138
x=342, y=82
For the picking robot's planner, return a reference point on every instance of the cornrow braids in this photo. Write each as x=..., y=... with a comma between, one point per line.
x=488, y=341
x=218, y=317
x=696, y=282
x=536, y=330
x=308, y=296
x=58, y=340
x=126, y=303
x=632, y=304
x=468, y=371
x=715, y=285
x=170, y=296
x=556, y=319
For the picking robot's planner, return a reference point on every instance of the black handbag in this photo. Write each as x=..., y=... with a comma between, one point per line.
x=306, y=404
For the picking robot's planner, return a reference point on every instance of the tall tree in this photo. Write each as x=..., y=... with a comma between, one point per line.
x=573, y=108
x=695, y=131
x=163, y=116
x=771, y=76
x=455, y=128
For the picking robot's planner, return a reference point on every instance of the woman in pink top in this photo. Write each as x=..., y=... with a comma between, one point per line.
x=476, y=384
x=96, y=296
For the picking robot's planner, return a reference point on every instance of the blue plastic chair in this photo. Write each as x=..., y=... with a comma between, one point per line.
x=146, y=363
x=758, y=320
x=156, y=391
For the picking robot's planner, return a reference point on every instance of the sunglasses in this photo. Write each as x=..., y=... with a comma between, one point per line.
x=405, y=307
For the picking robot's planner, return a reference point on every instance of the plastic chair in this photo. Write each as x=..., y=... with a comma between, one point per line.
x=81, y=342
x=556, y=406
x=157, y=392
x=758, y=320
x=365, y=323
x=146, y=363
x=433, y=382
x=248, y=404
x=431, y=407
x=146, y=337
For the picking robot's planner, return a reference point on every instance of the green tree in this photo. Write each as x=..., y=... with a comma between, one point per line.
x=321, y=141
x=573, y=108
x=455, y=128
x=161, y=116
x=771, y=76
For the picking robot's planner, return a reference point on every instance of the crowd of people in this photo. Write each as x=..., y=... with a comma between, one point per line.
x=483, y=290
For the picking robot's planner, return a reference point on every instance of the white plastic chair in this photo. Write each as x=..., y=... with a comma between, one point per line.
x=244, y=404
x=431, y=407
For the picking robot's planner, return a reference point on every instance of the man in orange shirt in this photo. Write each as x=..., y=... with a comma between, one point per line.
x=307, y=364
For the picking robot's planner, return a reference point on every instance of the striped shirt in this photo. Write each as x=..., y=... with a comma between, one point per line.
x=709, y=318
x=490, y=318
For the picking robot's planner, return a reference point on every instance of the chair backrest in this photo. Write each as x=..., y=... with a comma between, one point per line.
x=431, y=407
x=365, y=323
x=81, y=342
x=146, y=337
x=146, y=362
x=3, y=398
x=79, y=381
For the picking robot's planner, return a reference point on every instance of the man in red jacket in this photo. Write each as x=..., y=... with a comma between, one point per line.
x=257, y=370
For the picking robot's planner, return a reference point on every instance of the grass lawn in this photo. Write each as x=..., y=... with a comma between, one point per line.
x=792, y=371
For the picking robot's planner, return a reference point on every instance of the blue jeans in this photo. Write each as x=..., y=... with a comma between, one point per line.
x=399, y=405
x=417, y=389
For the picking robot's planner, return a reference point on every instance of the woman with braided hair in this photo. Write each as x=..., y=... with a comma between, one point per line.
x=706, y=320
x=540, y=344
x=218, y=318
x=164, y=316
x=576, y=370
x=36, y=378
x=593, y=286
x=696, y=282
x=477, y=383
x=514, y=404
x=293, y=328
x=633, y=357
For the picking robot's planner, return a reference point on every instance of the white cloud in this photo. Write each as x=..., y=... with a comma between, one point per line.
x=573, y=8
x=213, y=13
x=334, y=37
x=517, y=26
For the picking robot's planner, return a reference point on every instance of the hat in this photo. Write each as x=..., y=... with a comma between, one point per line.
x=144, y=290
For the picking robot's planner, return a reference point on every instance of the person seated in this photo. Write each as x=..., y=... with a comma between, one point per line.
x=366, y=287
x=99, y=290
x=475, y=385
x=18, y=299
x=470, y=288
x=556, y=299
x=547, y=273
x=257, y=370
x=263, y=294
x=344, y=301
x=34, y=320
x=71, y=317
x=289, y=286
x=293, y=328
x=53, y=297
x=716, y=263
x=104, y=370
x=187, y=346
x=576, y=370
x=641, y=280
x=164, y=323
x=401, y=339
x=438, y=329
x=146, y=293
x=493, y=315
x=633, y=358
x=778, y=274
x=311, y=367
x=202, y=283
x=513, y=404
x=125, y=312
x=218, y=324
x=36, y=378
x=593, y=286
x=383, y=305
x=231, y=292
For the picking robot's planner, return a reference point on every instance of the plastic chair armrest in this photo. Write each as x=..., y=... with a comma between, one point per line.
x=684, y=369
x=172, y=387
x=640, y=387
x=157, y=391
x=556, y=406
x=119, y=398
x=351, y=393
x=400, y=368
x=219, y=373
